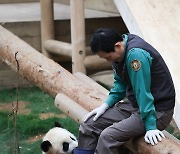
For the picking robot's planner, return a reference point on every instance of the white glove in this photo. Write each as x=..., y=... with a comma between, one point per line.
x=152, y=136
x=98, y=111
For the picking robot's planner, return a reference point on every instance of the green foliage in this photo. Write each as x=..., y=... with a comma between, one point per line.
x=31, y=148
x=39, y=102
x=173, y=132
x=177, y=135
x=29, y=125
x=170, y=129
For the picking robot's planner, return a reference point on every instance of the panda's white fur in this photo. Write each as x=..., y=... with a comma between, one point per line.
x=58, y=141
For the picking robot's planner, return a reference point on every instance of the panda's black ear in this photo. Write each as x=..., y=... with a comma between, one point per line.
x=57, y=124
x=45, y=145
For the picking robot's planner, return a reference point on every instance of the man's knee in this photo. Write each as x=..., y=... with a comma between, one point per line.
x=113, y=134
x=83, y=128
x=106, y=135
x=86, y=127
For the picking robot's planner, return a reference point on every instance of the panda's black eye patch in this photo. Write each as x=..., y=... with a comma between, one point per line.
x=65, y=146
x=72, y=138
x=45, y=145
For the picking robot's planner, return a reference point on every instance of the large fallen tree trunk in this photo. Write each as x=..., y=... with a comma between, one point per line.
x=53, y=79
x=44, y=72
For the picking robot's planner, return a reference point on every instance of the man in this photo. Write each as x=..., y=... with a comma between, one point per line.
x=141, y=76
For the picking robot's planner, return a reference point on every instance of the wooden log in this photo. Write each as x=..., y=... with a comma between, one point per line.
x=69, y=107
x=47, y=23
x=61, y=48
x=53, y=79
x=168, y=145
x=58, y=47
x=93, y=62
x=78, y=35
x=45, y=73
x=87, y=80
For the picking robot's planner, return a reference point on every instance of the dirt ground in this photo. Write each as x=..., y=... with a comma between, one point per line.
x=22, y=109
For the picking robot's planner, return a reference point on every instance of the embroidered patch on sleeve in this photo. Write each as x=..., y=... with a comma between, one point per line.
x=135, y=65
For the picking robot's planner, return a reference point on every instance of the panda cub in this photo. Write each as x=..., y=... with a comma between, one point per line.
x=58, y=141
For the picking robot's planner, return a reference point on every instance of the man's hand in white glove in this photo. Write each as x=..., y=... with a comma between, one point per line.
x=97, y=112
x=153, y=136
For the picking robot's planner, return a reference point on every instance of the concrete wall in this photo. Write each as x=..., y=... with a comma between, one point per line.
x=102, y=5
x=67, y=2
x=16, y=1
x=9, y=78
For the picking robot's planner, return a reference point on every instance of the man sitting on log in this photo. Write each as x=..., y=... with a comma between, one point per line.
x=142, y=77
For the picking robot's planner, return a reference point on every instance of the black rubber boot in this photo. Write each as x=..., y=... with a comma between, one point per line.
x=82, y=151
